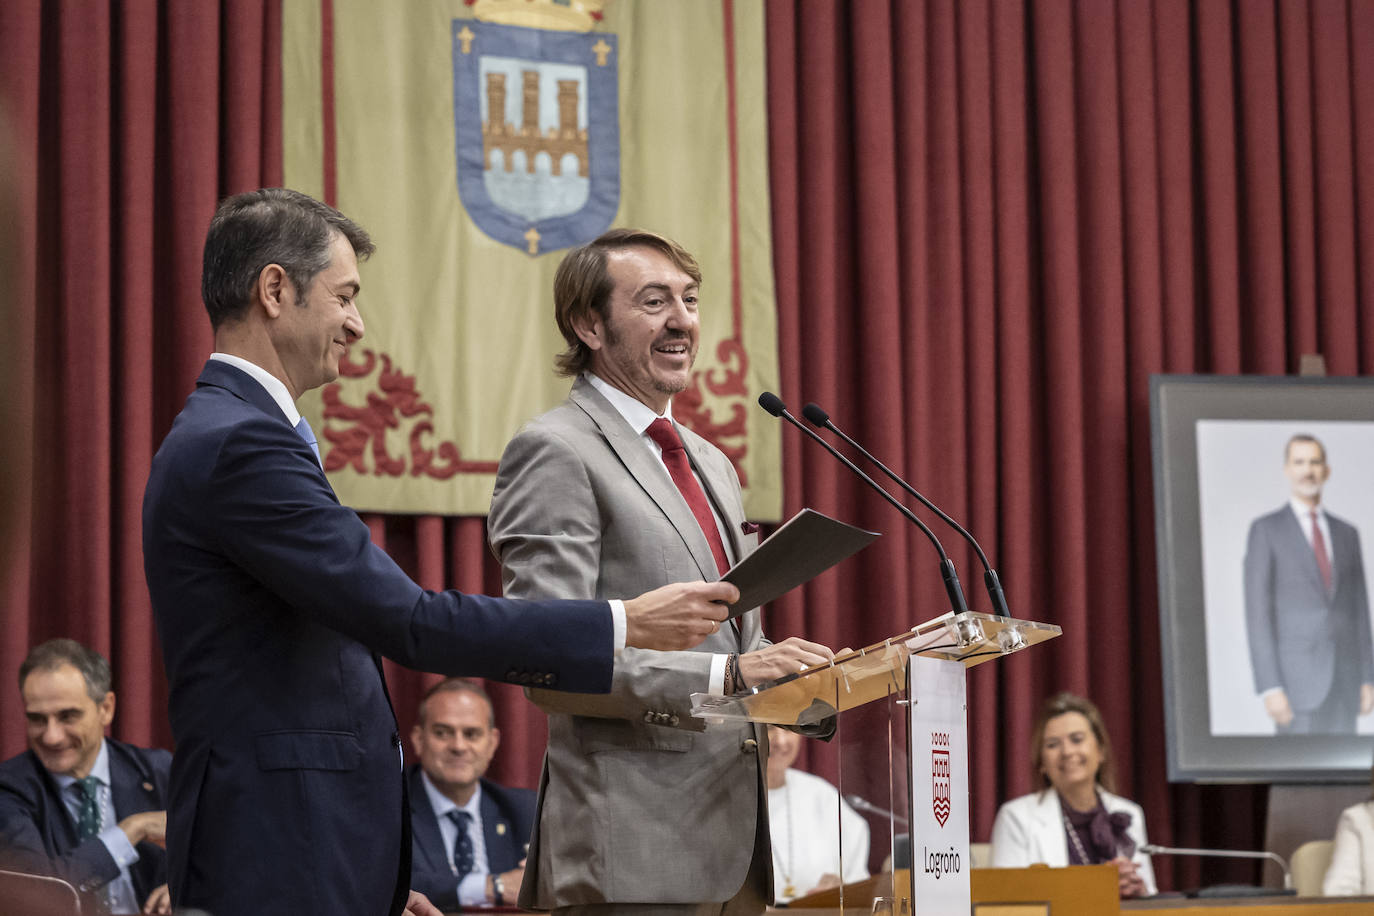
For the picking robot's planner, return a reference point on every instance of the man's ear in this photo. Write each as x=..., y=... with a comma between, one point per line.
x=272, y=289
x=590, y=329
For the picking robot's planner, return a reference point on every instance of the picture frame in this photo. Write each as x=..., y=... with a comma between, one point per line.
x=1218, y=448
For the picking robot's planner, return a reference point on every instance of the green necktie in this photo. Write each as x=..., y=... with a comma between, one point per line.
x=88, y=816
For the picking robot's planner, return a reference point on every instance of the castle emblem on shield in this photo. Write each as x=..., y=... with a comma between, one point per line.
x=536, y=122
x=939, y=776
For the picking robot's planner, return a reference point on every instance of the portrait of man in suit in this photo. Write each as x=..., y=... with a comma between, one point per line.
x=78, y=805
x=641, y=808
x=1307, y=607
x=274, y=608
x=469, y=833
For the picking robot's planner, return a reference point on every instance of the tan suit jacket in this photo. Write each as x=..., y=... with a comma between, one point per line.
x=638, y=801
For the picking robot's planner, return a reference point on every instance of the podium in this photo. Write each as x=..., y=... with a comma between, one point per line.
x=898, y=702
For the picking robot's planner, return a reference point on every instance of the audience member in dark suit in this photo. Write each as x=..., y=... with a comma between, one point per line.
x=106, y=844
x=1307, y=607
x=483, y=861
x=274, y=608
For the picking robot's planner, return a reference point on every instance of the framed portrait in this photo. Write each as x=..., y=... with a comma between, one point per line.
x=1253, y=628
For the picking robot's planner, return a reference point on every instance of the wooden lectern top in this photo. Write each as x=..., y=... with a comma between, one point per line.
x=875, y=671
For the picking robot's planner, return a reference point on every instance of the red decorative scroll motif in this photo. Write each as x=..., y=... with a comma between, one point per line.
x=689, y=409
x=355, y=432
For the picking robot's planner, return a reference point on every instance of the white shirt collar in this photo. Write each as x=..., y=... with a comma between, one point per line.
x=442, y=804
x=268, y=381
x=101, y=769
x=636, y=413
x=1304, y=512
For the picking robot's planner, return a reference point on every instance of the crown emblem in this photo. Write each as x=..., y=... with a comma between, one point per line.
x=564, y=15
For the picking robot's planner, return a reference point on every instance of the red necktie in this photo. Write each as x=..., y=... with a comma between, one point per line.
x=1319, y=548
x=675, y=458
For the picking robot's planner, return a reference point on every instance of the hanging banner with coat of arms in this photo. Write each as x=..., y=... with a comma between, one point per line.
x=479, y=140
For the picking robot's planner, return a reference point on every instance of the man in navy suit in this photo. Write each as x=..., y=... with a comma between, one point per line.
x=77, y=805
x=469, y=833
x=274, y=608
x=1307, y=608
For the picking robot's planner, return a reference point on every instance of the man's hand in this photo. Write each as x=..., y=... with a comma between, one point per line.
x=159, y=902
x=1276, y=704
x=510, y=885
x=1128, y=881
x=787, y=657
x=1366, y=699
x=419, y=905
x=146, y=825
x=677, y=616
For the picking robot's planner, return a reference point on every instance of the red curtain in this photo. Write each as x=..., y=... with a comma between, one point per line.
x=993, y=221
x=128, y=122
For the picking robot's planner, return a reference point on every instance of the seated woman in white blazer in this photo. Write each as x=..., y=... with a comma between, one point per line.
x=1351, y=871
x=1074, y=819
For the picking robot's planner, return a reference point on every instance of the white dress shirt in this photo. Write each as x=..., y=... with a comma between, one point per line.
x=472, y=890
x=119, y=892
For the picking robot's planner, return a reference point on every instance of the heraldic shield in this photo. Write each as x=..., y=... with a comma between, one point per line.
x=939, y=776
x=537, y=130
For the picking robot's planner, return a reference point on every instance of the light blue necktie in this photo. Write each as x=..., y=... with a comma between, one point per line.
x=305, y=432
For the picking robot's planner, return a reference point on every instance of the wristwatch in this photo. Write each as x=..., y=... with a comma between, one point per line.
x=498, y=891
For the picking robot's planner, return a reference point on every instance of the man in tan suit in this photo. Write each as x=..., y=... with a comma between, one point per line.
x=641, y=807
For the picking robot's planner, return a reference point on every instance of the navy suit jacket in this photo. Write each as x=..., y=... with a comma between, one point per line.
x=507, y=816
x=273, y=608
x=38, y=835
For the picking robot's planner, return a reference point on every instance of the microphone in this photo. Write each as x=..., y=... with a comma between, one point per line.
x=818, y=417
x=774, y=405
x=1152, y=849
x=859, y=803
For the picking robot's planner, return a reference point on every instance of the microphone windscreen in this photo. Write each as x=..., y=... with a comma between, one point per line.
x=815, y=415
x=772, y=403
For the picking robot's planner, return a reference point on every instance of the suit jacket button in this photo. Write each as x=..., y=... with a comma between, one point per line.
x=750, y=746
x=396, y=739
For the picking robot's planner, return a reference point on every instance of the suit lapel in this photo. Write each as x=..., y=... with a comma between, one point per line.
x=1342, y=552
x=1050, y=817
x=1298, y=543
x=749, y=628
x=126, y=789
x=61, y=826
x=424, y=824
x=496, y=833
x=648, y=472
